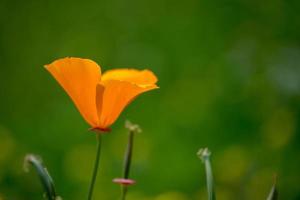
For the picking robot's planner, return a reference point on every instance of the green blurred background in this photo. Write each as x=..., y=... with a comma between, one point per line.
x=229, y=78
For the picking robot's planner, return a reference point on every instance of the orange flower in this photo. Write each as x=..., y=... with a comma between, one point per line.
x=100, y=98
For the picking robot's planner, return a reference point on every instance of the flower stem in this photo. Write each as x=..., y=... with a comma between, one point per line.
x=204, y=155
x=127, y=163
x=124, y=192
x=128, y=155
x=96, y=165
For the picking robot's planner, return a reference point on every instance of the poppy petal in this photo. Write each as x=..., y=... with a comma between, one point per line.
x=139, y=77
x=79, y=78
x=116, y=96
x=99, y=100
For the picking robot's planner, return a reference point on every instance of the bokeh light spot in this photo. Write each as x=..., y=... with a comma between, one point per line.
x=231, y=165
x=7, y=145
x=279, y=128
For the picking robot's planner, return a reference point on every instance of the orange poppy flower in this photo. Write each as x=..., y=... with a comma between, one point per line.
x=100, y=98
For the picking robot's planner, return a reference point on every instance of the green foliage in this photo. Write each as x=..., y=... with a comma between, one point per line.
x=229, y=79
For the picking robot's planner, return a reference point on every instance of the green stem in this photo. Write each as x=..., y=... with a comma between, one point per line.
x=96, y=166
x=123, y=192
x=204, y=155
x=127, y=163
x=128, y=155
x=209, y=178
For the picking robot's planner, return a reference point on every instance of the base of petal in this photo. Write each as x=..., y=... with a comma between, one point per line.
x=99, y=130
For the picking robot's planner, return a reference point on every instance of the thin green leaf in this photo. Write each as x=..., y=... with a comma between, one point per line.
x=43, y=174
x=273, y=195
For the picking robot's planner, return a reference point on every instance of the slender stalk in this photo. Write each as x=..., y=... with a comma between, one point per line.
x=127, y=163
x=96, y=166
x=209, y=178
x=123, y=192
x=204, y=155
x=128, y=156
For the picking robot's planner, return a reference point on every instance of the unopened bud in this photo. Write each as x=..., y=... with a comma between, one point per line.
x=132, y=127
x=203, y=154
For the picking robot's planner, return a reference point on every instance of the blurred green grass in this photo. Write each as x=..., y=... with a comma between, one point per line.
x=229, y=79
